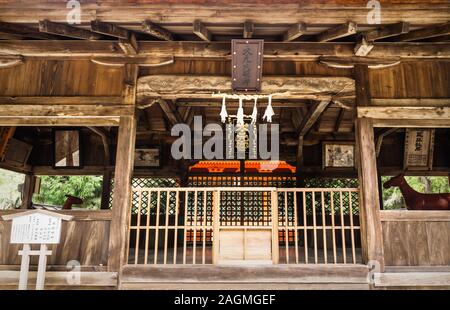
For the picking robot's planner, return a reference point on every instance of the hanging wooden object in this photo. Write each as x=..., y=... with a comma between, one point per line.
x=246, y=65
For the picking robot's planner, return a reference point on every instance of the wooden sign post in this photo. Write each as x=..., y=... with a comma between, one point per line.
x=35, y=227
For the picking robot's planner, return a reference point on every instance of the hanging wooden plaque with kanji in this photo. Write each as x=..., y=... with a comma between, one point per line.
x=246, y=65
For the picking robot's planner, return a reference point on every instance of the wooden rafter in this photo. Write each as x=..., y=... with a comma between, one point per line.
x=313, y=115
x=157, y=31
x=201, y=31
x=170, y=111
x=425, y=33
x=19, y=30
x=109, y=29
x=294, y=32
x=66, y=30
x=387, y=31
x=338, y=32
x=249, y=28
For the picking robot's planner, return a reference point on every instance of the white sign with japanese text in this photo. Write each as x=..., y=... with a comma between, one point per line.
x=36, y=228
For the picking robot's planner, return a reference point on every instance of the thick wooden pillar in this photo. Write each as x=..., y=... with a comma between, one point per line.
x=371, y=230
x=369, y=203
x=28, y=191
x=121, y=207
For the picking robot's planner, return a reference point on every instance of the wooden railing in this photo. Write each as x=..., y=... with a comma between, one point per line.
x=182, y=225
x=321, y=226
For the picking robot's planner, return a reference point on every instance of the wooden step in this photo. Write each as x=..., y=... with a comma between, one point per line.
x=244, y=277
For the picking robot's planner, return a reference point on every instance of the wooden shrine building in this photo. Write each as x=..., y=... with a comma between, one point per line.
x=349, y=87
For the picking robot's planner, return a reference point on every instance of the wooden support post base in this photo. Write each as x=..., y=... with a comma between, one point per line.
x=26, y=252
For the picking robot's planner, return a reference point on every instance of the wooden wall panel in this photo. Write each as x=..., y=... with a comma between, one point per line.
x=83, y=240
x=416, y=243
x=60, y=78
x=424, y=79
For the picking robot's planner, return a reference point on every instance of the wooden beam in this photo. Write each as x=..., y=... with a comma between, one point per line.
x=411, y=102
x=157, y=31
x=174, y=86
x=171, y=112
x=425, y=33
x=412, y=279
x=294, y=32
x=371, y=229
x=59, y=121
x=416, y=216
x=61, y=100
x=66, y=30
x=85, y=170
x=249, y=28
x=54, y=111
x=232, y=104
x=411, y=123
x=121, y=208
x=58, y=279
x=362, y=85
x=313, y=115
x=109, y=29
x=407, y=113
x=25, y=31
x=201, y=31
x=216, y=50
x=338, y=32
x=387, y=31
x=234, y=12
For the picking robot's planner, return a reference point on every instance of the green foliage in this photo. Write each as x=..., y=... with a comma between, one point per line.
x=10, y=196
x=54, y=189
x=393, y=198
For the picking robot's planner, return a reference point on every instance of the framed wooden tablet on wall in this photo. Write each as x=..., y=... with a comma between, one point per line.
x=419, y=147
x=338, y=155
x=147, y=157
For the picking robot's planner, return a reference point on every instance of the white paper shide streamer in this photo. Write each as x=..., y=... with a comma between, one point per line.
x=255, y=112
x=268, y=114
x=269, y=111
x=240, y=114
x=223, y=112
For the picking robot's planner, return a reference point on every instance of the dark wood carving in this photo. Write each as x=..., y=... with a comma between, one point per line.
x=246, y=62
